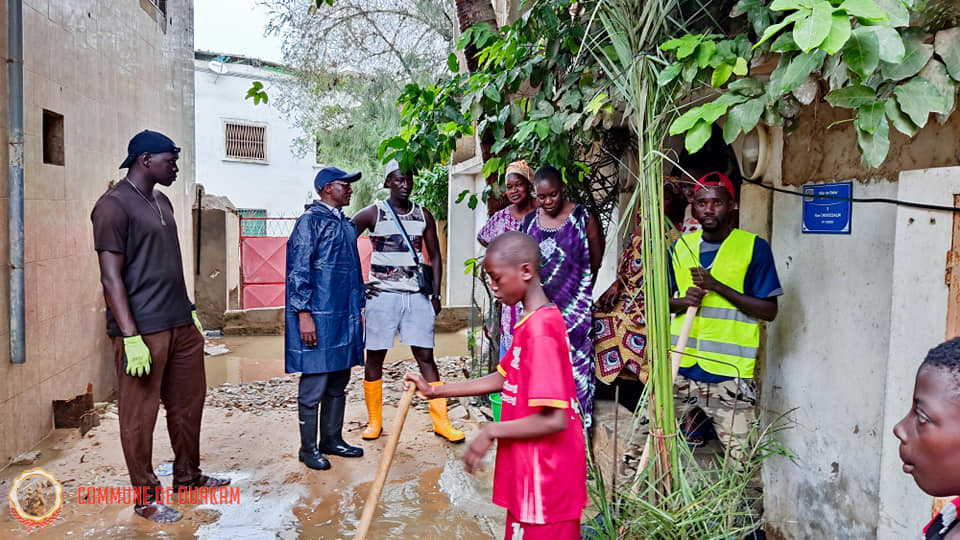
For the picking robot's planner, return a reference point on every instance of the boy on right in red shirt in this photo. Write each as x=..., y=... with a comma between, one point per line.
x=541, y=470
x=930, y=436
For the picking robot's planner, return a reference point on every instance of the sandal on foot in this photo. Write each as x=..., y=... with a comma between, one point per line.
x=158, y=513
x=203, y=481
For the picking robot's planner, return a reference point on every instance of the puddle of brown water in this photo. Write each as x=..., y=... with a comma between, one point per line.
x=259, y=358
x=411, y=508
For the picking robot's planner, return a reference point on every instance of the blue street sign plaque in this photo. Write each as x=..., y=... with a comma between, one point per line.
x=827, y=208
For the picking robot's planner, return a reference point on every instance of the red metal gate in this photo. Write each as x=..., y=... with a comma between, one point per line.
x=263, y=260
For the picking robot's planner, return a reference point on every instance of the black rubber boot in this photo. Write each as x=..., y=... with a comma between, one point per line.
x=309, y=454
x=331, y=426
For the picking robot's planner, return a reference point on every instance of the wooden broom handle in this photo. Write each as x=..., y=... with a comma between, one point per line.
x=385, y=461
x=676, y=357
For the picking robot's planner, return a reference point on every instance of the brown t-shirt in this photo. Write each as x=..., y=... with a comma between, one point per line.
x=125, y=223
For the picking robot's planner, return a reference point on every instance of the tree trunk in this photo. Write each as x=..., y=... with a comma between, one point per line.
x=469, y=13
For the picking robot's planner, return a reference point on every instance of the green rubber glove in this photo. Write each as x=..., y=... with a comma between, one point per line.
x=136, y=356
x=196, y=321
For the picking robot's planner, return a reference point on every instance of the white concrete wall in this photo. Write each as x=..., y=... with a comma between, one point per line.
x=917, y=323
x=283, y=184
x=826, y=358
x=858, y=314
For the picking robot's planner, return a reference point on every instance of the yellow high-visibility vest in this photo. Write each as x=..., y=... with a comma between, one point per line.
x=723, y=339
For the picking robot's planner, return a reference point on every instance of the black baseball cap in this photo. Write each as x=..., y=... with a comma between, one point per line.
x=333, y=174
x=148, y=142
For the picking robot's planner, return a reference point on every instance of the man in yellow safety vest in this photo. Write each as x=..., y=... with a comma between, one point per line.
x=729, y=274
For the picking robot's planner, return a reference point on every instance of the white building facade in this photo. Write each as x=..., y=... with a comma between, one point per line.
x=245, y=151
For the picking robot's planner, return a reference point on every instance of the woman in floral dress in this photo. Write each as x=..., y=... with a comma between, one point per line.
x=522, y=202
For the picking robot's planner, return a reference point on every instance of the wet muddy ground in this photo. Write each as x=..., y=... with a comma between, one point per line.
x=250, y=435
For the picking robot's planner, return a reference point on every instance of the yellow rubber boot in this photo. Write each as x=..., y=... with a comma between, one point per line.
x=373, y=395
x=441, y=424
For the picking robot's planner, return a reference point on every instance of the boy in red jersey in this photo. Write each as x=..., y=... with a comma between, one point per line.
x=541, y=471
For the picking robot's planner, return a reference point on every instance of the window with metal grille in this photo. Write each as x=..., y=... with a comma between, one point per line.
x=246, y=141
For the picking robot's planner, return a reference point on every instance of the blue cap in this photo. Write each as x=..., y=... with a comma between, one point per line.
x=148, y=142
x=333, y=174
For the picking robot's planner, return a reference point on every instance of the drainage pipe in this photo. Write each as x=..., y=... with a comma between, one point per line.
x=18, y=354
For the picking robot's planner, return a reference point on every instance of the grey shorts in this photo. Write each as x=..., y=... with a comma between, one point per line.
x=389, y=312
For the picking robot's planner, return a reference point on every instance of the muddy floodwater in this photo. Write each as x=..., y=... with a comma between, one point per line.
x=250, y=435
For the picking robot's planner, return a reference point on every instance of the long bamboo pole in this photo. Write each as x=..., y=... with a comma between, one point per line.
x=385, y=461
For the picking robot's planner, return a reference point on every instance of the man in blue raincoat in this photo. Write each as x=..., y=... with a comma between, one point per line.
x=324, y=330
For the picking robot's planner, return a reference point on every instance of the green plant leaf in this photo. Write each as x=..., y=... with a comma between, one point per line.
x=721, y=74
x=684, y=46
x=865, y=9
x=936, y=73
x=918, y=98
x=491, y=93
x=916, y=55
x=868, y=116
x=891, y=46
x=874, y=146
x=740, y=68
x=491, y=166
x=731, y=130
x=784, y=43
x=852, y=97
x=839, y=33
x=897, y=11
x=690, y=70
x=800, y=68
x=705, y=53
x=788, y=20
x=811, y=31
x=596, y=103
x=709, y=112
x=748, y=86
x=669, y=73
x=452, y=62
x=947, y=45
x=900, y=121
x=862, y=51
x=783, y=5
x=698, y=136
x=745, y=116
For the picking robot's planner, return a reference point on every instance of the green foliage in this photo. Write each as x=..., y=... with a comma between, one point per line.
x=530, y=99
x=888, y=73
x=430, y=189
x=258, y=94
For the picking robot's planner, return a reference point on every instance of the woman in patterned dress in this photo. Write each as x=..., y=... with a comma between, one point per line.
x=571, y=249
x=522, y=202
x=619, y=323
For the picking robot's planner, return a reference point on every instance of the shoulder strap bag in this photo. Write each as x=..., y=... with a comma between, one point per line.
x=424, y=271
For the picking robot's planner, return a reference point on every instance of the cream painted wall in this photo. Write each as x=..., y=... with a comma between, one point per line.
x=111, y=69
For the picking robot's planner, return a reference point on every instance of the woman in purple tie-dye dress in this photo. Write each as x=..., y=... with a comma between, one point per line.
x=571, y=249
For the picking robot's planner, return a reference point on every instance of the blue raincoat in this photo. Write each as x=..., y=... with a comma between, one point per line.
x=324, y=278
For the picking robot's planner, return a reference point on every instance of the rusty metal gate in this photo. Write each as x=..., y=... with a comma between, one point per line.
x=263, y=260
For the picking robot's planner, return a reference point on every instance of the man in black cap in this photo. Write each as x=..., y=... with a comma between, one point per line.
x=157, y=341
x=324, y=329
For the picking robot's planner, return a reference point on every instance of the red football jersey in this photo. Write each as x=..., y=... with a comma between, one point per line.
x=543, y=479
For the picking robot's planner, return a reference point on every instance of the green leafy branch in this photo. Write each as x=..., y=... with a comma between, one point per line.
x=529, y=99
x=874, y=63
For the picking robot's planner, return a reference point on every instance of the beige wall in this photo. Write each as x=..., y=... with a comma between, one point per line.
x=111, y=70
